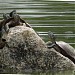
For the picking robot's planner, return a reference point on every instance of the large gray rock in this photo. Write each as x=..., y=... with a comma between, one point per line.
x=27, y=52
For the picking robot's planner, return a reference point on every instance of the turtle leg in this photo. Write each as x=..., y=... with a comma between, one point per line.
x=2, y=31
x=51, y=45
x=6, y=27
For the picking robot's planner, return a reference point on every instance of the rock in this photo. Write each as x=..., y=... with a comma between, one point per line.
x=26, y=52
x=58, y=61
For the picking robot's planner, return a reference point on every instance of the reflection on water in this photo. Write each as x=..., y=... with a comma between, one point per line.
x=56, y=73
x=44, y=16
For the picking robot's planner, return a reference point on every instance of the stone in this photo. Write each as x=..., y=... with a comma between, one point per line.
x=26, y=52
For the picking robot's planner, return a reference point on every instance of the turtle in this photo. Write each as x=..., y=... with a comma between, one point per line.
x=5, y=24
x=17, y=18
x=62, y=47
x=11, y=20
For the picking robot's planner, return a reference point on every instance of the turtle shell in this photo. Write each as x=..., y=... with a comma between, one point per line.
x=67, y=48
x=12, y=25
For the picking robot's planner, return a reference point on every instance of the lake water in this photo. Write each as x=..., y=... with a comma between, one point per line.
x=44, y=16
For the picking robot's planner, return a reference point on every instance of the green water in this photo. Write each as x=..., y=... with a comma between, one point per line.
x=44, y=16
x=56, y=73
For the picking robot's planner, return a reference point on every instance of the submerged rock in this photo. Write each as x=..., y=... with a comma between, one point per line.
x=26, y=52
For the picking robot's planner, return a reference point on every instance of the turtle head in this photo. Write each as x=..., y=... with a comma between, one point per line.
x=52, y=37
x=15, y=16
x=6, y=16
x=12, y=13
